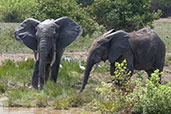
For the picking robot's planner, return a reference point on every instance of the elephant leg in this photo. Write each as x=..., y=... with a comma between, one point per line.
x=55, y=67
x=47, y=72
x=112, y=69
x=130, y=66
x=149, y=72
x=35, y=75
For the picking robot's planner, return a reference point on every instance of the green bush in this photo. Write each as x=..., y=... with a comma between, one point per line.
x=154, y=98
x=113, y=98
x=128, y=15
x=15, y=10
x=58, y=8
x=133, y=98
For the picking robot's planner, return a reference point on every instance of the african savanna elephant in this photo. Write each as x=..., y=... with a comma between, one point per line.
x=143, y=50
x=48, y=40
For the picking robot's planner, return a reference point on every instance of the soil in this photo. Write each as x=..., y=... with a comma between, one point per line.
x=23, y=57
x=163, y=20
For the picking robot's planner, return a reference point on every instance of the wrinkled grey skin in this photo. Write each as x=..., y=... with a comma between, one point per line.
x=143, y=50
x=48, y=40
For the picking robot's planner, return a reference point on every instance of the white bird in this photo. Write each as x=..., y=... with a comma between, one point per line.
x=60, y=66
x=26, y=58
x=67, y=59
x=81, y=67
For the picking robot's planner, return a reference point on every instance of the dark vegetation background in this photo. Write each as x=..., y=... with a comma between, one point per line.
x=90, y=14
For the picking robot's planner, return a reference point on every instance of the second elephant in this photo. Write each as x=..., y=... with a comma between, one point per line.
x=143, y=50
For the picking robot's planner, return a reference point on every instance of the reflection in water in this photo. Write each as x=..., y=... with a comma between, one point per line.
x=9, y=110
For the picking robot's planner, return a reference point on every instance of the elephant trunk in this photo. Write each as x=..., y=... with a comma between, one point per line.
x=42, y=64
x=89, y=66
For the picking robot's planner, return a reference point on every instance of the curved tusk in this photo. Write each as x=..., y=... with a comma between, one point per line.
x=36, y=56
x=53, y=59
x=97, y=64
x=109, y=32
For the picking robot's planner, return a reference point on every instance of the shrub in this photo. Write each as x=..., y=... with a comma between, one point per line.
x=152, y=99
x=113, y=98
x=15, y=10
x=128, y=15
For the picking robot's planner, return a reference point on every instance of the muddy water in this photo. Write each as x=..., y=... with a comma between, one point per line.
x=16, y=110
x=5, y=110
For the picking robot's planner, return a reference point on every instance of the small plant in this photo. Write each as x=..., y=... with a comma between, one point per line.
x=121, y=74
x=113, y=98
x=62, y=103
x=3, y=88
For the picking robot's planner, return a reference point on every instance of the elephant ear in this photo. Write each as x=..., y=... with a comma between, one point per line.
x=68, y=32
x=119, y=44
x=25, y=33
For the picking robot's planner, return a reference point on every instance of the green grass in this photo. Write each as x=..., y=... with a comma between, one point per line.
x=163, y=30
x=8, y=44
x=15, y=79
x=168, y=60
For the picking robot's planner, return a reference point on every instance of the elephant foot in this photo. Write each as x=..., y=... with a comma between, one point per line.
x=53, y=79
x=34, y=84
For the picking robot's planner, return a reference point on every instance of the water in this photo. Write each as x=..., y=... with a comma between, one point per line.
x=11, y=110
x=20, y=110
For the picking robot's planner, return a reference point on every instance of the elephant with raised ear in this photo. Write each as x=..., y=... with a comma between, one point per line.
x=143, y=50
x=48, y=40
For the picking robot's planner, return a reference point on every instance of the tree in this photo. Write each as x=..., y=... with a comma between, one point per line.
x=128, y=15
x=15, y=10
x=58, y=8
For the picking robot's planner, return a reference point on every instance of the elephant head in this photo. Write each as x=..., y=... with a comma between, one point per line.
x=111, y=45
x=48, y=39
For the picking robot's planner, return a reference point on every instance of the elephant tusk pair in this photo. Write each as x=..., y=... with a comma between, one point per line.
x=36, y=55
